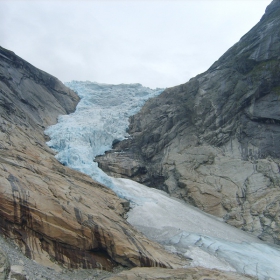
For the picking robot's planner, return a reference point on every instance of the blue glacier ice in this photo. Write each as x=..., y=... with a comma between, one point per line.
x=102, y=117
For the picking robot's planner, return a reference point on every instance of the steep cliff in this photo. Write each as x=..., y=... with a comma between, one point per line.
x=214, y=141
x=53, y=213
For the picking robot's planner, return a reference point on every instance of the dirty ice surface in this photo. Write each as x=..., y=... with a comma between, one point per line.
x=101, y=117
x=204, y=238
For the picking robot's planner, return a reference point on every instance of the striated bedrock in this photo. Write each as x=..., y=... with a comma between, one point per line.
x=195, y=273
x=214, y=141
x=53, y=213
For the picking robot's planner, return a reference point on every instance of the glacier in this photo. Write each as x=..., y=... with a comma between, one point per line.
x=101, y=117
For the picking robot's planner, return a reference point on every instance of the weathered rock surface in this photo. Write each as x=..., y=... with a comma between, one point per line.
x=197, y=273
x=17, y=273
x=214, y=141
x=4, y=266
x=53, y=213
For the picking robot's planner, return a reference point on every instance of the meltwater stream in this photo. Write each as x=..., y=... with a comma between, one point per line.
x=102, y=117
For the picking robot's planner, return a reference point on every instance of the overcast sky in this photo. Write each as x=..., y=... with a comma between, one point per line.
x=157, y=43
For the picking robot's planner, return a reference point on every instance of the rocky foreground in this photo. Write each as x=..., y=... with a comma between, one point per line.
x=13, y=265
x=214, y=141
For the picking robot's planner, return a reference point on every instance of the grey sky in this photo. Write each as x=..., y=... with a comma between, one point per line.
x=157, y=43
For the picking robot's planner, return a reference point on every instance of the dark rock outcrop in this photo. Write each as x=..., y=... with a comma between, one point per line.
x=214, y=141
x=53, y=213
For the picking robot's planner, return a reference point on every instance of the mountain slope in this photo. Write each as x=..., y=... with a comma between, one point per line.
x=214, y=141
x=53, y=213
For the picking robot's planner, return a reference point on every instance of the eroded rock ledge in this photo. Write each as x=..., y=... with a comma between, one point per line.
x=4, y=266
x=214, y=141
x=187, y=274
x=53, y=213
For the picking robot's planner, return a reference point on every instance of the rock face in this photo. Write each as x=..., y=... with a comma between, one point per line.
x=187, y=274
x=53, y=213
x=214, y=141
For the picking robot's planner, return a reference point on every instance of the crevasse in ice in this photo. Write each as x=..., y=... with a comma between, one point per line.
x=102, y=117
